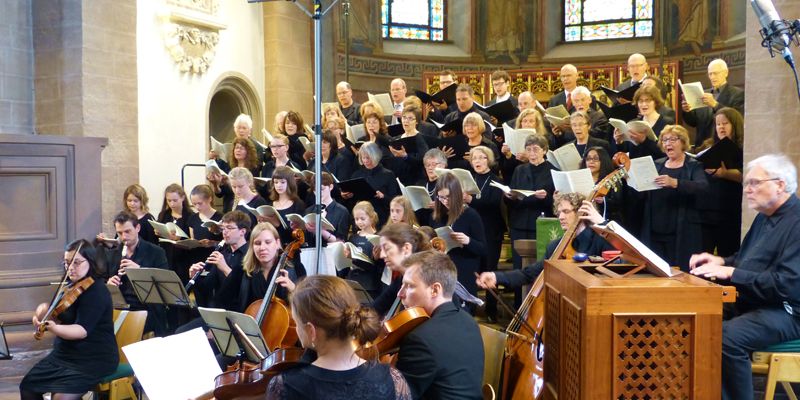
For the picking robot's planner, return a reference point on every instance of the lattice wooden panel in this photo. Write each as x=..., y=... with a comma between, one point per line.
x=570, y=387
x=551, y=336
x=653, y=356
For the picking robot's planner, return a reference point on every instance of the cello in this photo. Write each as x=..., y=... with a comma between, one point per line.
x=271, y=313
x=523, y=361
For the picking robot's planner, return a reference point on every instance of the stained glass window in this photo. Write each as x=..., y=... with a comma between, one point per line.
x=413, y=19
x=586, y=20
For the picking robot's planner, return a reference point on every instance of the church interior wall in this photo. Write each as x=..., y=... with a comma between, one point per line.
x=173, y=105
x=16, y=68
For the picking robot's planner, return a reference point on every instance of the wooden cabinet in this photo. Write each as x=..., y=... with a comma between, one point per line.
x=641, y=337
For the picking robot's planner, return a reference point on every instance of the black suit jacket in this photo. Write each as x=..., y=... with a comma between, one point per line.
x=443, y=358
x=703, y=118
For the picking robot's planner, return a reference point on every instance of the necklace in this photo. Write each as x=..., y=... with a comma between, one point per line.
x=488, y=178
x=429, y=190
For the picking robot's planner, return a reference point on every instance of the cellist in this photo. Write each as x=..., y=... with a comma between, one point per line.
x=85, y=349
x=262, y=256
x=568, y=207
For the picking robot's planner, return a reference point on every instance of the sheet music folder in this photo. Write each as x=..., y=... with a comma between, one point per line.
x=158, y=286
x=219, y=322
x=634, y=250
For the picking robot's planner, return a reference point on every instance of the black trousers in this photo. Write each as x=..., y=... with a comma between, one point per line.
x=489, y=264
x=746, y=333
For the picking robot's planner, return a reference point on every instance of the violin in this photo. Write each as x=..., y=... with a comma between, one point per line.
x=64, y=300
x=271, y=313
x=523, y=363
x=64, y=297
x=253, y=380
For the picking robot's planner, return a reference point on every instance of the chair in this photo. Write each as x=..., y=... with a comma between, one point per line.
x=494, y=342
x=128, y=326
x=781, y=363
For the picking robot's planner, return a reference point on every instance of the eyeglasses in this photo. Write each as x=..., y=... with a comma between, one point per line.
x=409, y=118
x=229, y=227
x=671, y=139
x=443, y=198
x=565, y=212
x=594, y=159
x=76, y=262
x=751, y=183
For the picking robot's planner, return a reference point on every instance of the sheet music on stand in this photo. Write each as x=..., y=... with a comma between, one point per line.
x=634, y=250
x=221, y=323
x=5, y=352
x=158, y=286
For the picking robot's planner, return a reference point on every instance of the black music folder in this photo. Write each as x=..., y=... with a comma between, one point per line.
x=626, y=94
x=624, y=112
x=447, y=95
x=503, y=111
x=359, y=187
x=723, y=151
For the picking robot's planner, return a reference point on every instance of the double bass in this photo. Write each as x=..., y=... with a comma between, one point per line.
x=523, y=361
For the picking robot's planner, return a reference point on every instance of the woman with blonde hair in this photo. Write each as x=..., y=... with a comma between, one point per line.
x=671, y=220
x=263, y=254
x=135, y=200
x=400, y=210
x=329, y=321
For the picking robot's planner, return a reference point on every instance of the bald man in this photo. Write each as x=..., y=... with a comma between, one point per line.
x=720, y=95
x=525, y=101
x=344, y=93
x=569, y=79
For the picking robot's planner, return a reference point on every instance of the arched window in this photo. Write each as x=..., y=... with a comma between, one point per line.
x=413, y=19
x=586, y=20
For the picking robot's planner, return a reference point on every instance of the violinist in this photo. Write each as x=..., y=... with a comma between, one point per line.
x=262, y=256
x=443, y=357
x=397, y=242
x=329, y=318
x=84, y=350
x=568, y=207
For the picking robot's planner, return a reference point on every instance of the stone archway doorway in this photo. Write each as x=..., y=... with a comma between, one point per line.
x=233, y=95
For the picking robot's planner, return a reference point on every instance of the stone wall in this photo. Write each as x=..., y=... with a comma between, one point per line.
x=16, y=67
x=771, y=103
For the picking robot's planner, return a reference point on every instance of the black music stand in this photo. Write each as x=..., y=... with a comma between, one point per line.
x=158, y=286
x=117, y=299
x=362, y=294
x=5, y=352
x=237, y=335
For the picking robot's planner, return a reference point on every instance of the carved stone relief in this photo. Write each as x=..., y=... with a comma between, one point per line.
x=191, y=33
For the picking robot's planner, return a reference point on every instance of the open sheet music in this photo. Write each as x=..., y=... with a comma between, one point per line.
x=515, y=138
x=417, y=195
x=622, y=240
x=565, y=158
x=578, y=181
x=693, y=93
x=383, y=100
x=642, y=175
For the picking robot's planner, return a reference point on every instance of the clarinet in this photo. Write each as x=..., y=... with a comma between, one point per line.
x=197, y=274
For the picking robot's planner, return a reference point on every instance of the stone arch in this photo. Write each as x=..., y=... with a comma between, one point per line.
x=233, y=94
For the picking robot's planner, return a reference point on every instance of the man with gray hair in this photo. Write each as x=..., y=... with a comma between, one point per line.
x=765, y=272
x=344, y=93
x=721, y=94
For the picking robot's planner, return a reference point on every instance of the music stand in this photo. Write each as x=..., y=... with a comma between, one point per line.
x=158, y=287
x=632, y=250
x=5, y=352
x=244, y=343
x=117, y=299
x=362, y=294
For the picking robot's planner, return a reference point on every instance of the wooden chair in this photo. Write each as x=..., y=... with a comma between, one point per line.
x=781, y=363
x=494, y=342
x=128, y=326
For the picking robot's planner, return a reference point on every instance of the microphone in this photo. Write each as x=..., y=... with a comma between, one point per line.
x=777, y=33
x=197, y=274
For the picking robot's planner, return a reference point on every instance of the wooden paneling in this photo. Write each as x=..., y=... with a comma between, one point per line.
x=51, y=195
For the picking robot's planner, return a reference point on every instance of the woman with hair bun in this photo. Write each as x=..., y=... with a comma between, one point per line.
x=329, y=319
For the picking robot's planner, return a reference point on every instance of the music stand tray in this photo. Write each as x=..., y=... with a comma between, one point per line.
x=158, y=286
x=5, y=352
x=117, y=299
x=362, y=294
x=221, y=322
